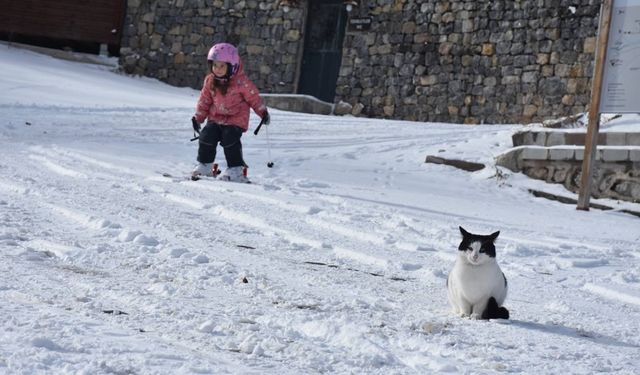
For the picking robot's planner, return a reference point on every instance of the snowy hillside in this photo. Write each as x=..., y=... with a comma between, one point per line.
x=334, y=261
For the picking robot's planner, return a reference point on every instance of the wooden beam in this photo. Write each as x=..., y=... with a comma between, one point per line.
x=461, y=164
x=591, y=141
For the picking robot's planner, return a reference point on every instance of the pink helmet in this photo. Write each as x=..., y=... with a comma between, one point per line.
x=227, y=53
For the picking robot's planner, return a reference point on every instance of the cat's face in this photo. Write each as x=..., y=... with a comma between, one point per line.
x=478, y=249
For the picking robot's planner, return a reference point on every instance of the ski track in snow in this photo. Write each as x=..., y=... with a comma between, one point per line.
x=335, y=261
x=318, y=237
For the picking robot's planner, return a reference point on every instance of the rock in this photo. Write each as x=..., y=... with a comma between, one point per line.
x=342, y=108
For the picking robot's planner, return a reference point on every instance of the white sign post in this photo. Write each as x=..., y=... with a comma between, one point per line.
x=615, y=86
x=621, y=81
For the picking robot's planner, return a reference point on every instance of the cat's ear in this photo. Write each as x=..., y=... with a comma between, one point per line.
x=464, y=232
x=494, y=235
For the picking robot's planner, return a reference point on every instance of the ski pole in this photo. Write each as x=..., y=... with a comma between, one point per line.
x=269, y=163
x=196, y=129
x=255, y=132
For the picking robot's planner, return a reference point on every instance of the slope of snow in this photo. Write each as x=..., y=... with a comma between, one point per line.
x=334, y=261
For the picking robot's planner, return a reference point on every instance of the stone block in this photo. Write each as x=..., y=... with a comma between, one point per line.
x=527, y=139
x=529, y=110
x=555, y=139
x=615, y=139
x=602, y=138
x=156, y=42
x=589, y=45
x=634, y=155
x=562, y=70
x=388, y=110
x=385, y=49
x=538, y=138
x=468, y=26
x=614, y=154
x=517, y=139
x=176, y=30
x=530, y=77
x=195, y=38
x=471, y=120
x=574, y=139
x=292, y=35
x=569, y=100
x=633, y=139
x=148, y=17
x=428, y=80
x=488, y=49
x=467, y=60
x=579, y=154
x=342, y=108
x=576, y=71
x=178, y=58
x=490, y=81
x=510, y=80
x=542, y=58
x=561, y=153
x=421, y=38
x=581, y=138
x=357, y=109
x=547, y=70
x=534, y=153
x=409, y=28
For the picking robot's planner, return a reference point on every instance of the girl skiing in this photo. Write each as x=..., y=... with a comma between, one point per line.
x=225, y=99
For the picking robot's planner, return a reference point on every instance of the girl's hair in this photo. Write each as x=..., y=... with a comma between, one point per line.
x=216, y=85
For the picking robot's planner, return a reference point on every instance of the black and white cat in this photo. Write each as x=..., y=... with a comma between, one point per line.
x=476, y=286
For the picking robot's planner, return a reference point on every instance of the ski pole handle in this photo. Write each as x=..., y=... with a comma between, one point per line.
x=255, y=132
x=195, y=124
x=196, y=129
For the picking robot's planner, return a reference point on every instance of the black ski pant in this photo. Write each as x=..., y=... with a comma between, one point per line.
x=229, y=138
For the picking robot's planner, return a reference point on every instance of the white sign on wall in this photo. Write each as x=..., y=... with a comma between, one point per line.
x=621, y=80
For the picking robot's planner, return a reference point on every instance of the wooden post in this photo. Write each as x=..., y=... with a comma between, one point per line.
x=591, y=140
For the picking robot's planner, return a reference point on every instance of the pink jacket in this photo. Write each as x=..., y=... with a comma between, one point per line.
x=232, y=108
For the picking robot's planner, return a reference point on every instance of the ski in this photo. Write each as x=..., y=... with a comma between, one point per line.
x=199, y=178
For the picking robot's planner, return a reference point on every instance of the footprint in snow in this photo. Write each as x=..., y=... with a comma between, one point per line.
x=311, y=184
x=128, y=235
x=141, y=239
x=201, y=259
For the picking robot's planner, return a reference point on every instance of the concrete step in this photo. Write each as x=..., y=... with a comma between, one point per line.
x=553, y=137
x=298, y=103
x=615, y=174
x=513, y=157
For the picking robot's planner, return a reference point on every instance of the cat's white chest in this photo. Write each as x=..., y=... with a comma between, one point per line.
x=477, y=282
x=470, y=286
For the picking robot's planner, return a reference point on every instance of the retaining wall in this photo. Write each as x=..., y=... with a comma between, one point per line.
x=542, y=155
x=452, y=61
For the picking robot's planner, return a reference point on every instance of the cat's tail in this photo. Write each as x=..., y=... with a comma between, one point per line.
x=493, y=311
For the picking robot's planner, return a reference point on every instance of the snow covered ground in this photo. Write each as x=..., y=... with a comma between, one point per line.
x=334, y=261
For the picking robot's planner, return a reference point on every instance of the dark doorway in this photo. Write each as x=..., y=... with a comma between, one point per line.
x=322, y=54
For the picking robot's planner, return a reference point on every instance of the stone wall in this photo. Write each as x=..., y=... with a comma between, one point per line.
x=169, y=40
x=462, y=61
x=471, y=61
x=615, y=180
